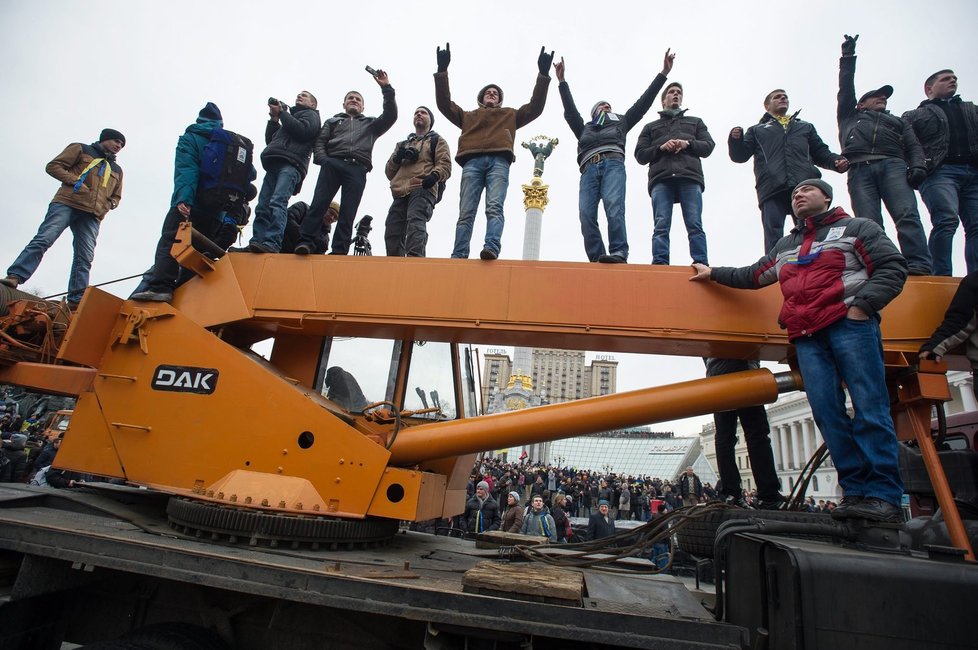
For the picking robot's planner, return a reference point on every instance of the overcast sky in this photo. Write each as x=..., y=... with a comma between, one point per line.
x=146, y=69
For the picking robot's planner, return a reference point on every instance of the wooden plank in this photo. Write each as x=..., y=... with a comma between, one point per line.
x=497, y=538
x=534, y=582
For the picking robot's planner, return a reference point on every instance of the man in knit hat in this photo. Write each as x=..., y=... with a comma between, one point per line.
x=416, y=169
x=485, y=150
x=91, y=185
x=785, y=151
x=185, y=204
x=481, y=510
x=601, y=158
x=601, y=524
x=836, y=274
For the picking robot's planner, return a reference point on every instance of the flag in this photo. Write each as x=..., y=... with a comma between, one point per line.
x=523, y=455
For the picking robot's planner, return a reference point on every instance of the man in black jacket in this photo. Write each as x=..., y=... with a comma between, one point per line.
x=885, y=160
x=601, y=157
x=343, y=150
x=289, y=136
x=672, y=147
x=785, y=151
x=948, y=131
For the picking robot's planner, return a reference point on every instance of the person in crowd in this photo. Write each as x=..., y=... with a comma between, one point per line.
x=885, y=161
x=601, y=524
x=417, y=168
x=673, y=147
x=558, y=510
x=343, y=150
x=947, y=128
x=690, y=487
x=481, y=511
x=601, y=159
x=91, y=185
x=512, y=521
x=294, y=217
x=836, y=274
x=485, y=149
x=537, y=521
x=785, y=151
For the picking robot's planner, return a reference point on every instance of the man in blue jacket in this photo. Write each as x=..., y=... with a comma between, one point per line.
x=601, y=158
x=289, y=136
x=185, y=204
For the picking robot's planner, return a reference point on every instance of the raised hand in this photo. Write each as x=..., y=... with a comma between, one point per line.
x=849, y=45
x=667, y=61
x=544, y=61
x=444, y=57
x=559, y=67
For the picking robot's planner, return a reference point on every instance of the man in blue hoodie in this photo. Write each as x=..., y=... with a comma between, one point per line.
x=185, y=204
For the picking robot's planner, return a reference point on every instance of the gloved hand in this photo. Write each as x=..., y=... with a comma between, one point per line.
x=429, y=181
x=916, y=176
x=444, y=57
x=544, y=61
x=849, y=45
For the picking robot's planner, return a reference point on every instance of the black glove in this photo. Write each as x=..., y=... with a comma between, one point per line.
x=399, y=155
x=544, y=61
x=444, y=57
x=849, y=45
x=916, y=176
x=429, y=181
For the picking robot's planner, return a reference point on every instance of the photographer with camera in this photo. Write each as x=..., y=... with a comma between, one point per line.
x=417, y=171
x=289, y=137
x=343, y=151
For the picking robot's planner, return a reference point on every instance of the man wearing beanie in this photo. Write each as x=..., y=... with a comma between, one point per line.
x=601, y=159
x=785, y=151
x=416, y=170
x=289, y=136
x=673, y=146
x=91, y=185
x=481, y=510
x=601, y=524
x=485, y=150
x=885, y=161
x=185, y=203
x=344, y=152
x=836, y=274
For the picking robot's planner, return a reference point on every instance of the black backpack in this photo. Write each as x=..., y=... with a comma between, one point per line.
x=225, y=170
x=441, y=183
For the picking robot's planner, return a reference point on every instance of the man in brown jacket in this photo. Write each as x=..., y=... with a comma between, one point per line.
x=485, y=149
x=91, y=185
x=416, y=169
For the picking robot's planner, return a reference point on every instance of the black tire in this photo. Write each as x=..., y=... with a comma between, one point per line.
x=697, y=535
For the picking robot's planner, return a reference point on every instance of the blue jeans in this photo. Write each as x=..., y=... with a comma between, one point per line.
x=333, y=175
x=604, y=181
x=774, y=209
x=886, y=179
x=84, y=230
x=689, y=195
x=273, y=204
x=492, y=174
x=864, y=447
x=950, y=192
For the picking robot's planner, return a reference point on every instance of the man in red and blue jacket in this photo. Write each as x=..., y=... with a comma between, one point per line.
x=836, y=274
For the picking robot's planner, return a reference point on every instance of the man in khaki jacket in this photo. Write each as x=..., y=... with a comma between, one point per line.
x=416, y=169
x=91, y=185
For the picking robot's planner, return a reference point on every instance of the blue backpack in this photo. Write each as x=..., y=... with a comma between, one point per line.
x=225, y=170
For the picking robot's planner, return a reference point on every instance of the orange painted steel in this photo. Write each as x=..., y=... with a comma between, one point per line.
x=579, y=417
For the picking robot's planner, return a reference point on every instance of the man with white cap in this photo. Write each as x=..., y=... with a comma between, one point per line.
x=836, y=274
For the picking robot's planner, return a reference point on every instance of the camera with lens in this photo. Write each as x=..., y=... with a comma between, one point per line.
x=407, y=152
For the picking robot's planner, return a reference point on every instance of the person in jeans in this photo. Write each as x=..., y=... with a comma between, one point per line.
x=91, y=185
x=601, y=158
x=673, y=147
x=485, y=150
x=836, y=274
x=885, y=161
x=947, y=128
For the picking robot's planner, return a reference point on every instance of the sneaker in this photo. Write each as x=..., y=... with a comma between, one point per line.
x=878, y=510
x=152, y=296
x=843, y=510
x=737, y=502
x=303, y=249
x=774, y=503
x=487, y=254
x=612, y=259
x=11, y=281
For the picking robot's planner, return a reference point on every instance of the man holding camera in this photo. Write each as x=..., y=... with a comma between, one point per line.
x=343, y=152
x=485, y=149
x=415, y=169
x=289, y=136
